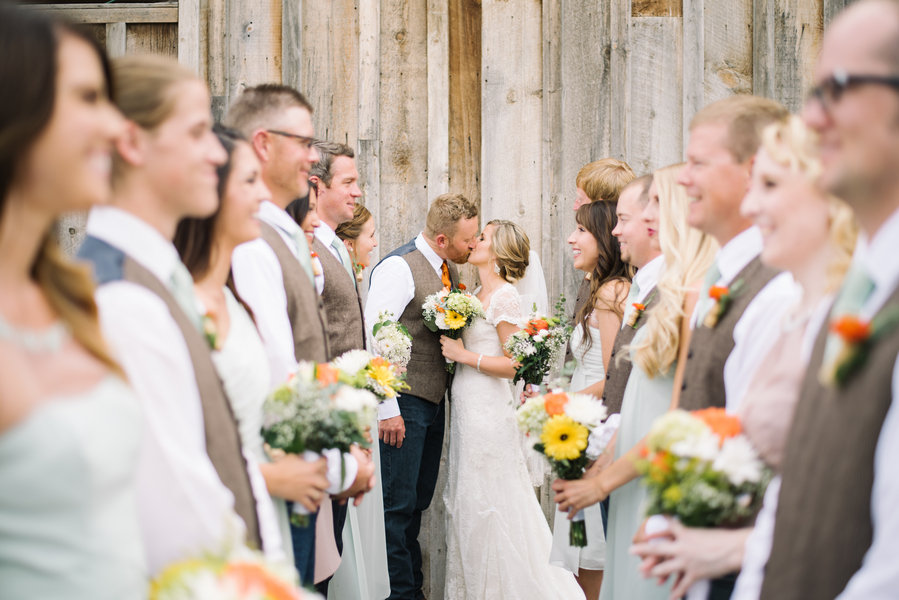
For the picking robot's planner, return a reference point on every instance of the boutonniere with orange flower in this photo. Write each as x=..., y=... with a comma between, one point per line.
x=723, y=297
x=635, y=316
x=316, y=264
x=210, y=332
x=856, y=338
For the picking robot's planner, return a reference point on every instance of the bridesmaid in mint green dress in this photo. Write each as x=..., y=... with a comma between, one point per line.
x=69, y=425
x=654, y=352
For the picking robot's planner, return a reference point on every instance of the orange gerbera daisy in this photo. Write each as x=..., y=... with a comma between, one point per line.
x=326, y=374
x=723, y=424
x=555, y=403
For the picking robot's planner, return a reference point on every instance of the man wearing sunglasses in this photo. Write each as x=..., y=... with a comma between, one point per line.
x=837, y=527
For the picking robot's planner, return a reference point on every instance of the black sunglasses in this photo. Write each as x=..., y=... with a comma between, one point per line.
x=306, y=142
x=829, y=91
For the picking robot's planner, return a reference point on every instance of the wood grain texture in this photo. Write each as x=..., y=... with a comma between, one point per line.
x=657, y=8
x=368, y=157
x=438, y=97
x=149, y=12
x=159, y=38
x=254, y=44
x=727, y=48
x=116, y=36
x=192, y=36
x=465, y=97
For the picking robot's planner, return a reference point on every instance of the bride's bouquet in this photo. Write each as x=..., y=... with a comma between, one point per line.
x=539, y=344
x=243, y=574
x=700, y=468
x=392, y=340
x=314, y=412
x=572, y=434
x=364, y=371
x=449, y=312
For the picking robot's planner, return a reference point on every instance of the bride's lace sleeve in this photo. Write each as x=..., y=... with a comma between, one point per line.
x=505, y=306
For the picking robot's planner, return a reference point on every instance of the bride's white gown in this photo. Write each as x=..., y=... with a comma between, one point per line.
x=498, y=541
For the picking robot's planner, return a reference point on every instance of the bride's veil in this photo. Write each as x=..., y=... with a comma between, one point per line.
x=532, y=287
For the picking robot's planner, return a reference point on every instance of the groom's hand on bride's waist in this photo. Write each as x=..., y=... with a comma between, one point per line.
x=392, y=431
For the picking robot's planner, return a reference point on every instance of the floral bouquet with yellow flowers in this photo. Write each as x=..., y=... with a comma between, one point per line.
x=449, y=312
x=700, y=468
x=243, y=575
x=539, y=345
x=572, y=434
x=365, y=371
x=392, y=340
x=314, y=412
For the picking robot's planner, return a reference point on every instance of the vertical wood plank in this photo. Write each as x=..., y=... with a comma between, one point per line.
x=152, y=38
x=217, y=62
x=116, y=39
x=512, y=113
x=465, y=97
x=292, y=43
x=832, y=8
x=655, y=130
x=553, y=202
x=369, y=156
x=254, y=44
x=438, y=97
x=727, y=48
x=190, y=39
x=693, y=63
x=619, y=24
x=787, y=39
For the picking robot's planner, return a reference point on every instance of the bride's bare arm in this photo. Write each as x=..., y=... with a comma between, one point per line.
x=495, y=366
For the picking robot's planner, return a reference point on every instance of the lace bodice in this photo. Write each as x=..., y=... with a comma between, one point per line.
x=481, y=336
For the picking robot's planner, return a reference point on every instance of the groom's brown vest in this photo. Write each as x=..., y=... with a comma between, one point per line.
x=343, y=309
x=620, y=364
x=703, y=384
x=426, y=372
x=823, y=526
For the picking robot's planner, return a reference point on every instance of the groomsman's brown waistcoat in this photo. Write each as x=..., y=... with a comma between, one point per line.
x=343, y=309
x=823, y=526
x=703, y=385
x=426, y=373
x=223, y=443
x=304, y=306
x=619, y=370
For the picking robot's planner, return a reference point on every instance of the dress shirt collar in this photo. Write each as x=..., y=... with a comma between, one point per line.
x=436, y=262
x=738, y=253
x=135, y=238
x=648, y=277
x=325, y=234
x=878, y=256
x=278, y=218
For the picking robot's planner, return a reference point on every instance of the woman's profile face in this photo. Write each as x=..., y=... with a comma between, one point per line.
x=69, y=165
x=244, y=193
x=483, y=249
x=311, y=220
x=791, y=213
x=365, y=243
x=584, y=249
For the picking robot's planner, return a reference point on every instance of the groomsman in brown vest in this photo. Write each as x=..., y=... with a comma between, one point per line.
x=411, y=428
x=336, y=180
x=836, y=534
x=737, y=316
x=274, y=276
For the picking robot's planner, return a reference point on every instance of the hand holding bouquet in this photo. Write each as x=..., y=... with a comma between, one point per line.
x=538, y=346
x=392, y=340
x=564, y=424
x=699, y=468
x=449, y=312
x=314, y=412
x=363, y=371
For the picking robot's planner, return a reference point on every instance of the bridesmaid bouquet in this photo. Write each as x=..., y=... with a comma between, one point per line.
x=449, y=312
x=244, y=575
x=700, y=468
x=572, y=434
x=392, y=340
x=539, y=345
x=364, y=371
x=314, y=412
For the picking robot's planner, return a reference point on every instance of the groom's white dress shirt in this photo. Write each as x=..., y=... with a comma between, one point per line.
x=326, y=236
x=260, y=283
x=392, y=290
x=646, y=279
x=759, y=325
x=184, y=508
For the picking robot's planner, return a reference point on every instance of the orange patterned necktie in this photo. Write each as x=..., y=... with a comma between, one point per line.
x=444, y=276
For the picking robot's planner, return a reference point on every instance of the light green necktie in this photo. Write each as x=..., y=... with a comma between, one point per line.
x=706, y=302
x=303, y=255
x=631, y=299
x=182, y=288
x=857, y=288
x=337, y=244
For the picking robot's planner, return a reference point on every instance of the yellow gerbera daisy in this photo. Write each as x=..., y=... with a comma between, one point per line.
x=383, y=375
x=563, y=438
x=454, y=320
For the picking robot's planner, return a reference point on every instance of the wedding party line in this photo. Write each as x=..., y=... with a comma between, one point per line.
x=222, y=396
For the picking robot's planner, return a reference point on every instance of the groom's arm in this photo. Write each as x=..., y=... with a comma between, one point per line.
x=392, y=289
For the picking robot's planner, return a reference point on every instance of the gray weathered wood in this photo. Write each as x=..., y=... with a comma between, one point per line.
x=369, y=117
x=438, y=97
x=254, y=44
x=192, y=36
x=116, y=39
x=831, y=8
x=727, y=48
x=149, y=12
x=152, y=38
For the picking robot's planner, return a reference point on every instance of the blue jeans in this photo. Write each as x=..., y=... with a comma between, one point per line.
x=409, y=476
x=303, y=541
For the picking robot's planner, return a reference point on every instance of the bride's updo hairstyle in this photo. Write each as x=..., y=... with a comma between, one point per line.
x=511, y=248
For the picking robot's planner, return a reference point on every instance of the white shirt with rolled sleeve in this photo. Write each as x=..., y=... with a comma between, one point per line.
x=759, y=325
x=392, y=289
x=260, y=283
x=184, y=508
x=646, y=279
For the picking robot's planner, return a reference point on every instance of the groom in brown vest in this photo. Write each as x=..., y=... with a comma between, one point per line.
x=837, y=528
x=411, y=429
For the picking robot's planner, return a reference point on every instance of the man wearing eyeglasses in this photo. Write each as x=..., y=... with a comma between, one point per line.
x=836, y=532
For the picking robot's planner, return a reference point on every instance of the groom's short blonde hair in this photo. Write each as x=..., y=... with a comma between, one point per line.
x=445, y=213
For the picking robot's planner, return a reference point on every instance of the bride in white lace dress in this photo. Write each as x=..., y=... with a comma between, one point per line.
x=498, y=541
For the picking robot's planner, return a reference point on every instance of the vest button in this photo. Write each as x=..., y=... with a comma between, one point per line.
x=689, y=354
x=608, y=376
x=683, y=387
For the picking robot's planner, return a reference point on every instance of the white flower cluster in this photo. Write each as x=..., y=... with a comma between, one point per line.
x=521, y=344
x=466, y=305
x=391, y=340
x=362, y=403
x=352, y=361
x=531, y=416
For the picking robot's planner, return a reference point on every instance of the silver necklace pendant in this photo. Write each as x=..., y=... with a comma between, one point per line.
x=46, y=341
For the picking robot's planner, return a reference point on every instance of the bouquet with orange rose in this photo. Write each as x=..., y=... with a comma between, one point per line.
x=365, y=371
x=449, y=312
x=539, y=345
x=569, y=428
x=700, y=468
x=313, y=412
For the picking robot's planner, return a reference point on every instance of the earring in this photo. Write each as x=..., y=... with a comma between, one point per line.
x=495, y=268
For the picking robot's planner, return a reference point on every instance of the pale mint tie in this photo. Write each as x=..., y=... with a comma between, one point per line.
x=631, y=299
x=303, y=255
x=711, y=277
x=337, y=244
x=182, y=287
x=857, y=288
